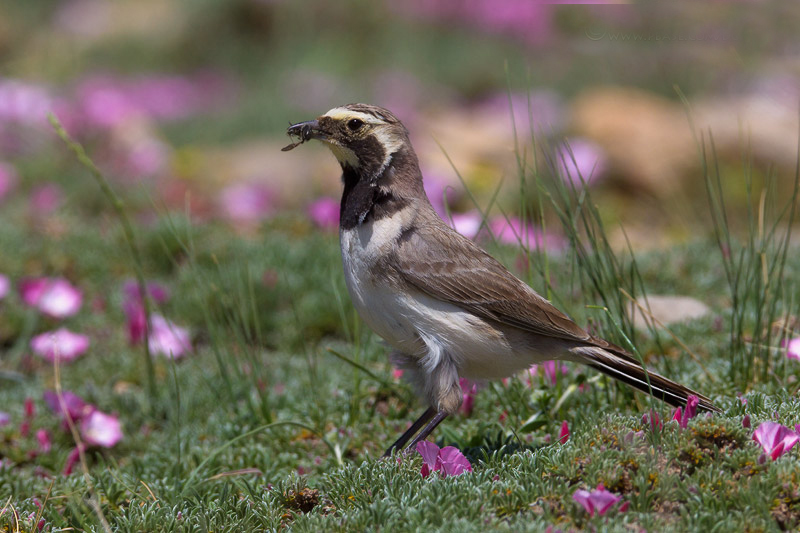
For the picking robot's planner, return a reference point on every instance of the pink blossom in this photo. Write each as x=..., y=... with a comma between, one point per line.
x=43, y=437
x=8, y=179
x=448, y=461
x=440, y=195
x=746, y=421
x=107, y=101
x=653, y=420
x=56, y=298
x=581, y=161
x=776, y=439
x=30, y=409
x=683, y=416
x=598, y=501
x=563, y=433
x=23, y=103
x=552, y=369
x=72, y=459
x=246, y=202
x=513, y=230
x=793, y=349
x=468, y=391
x=134, y=308
x=168, y=339
x=145, y=156
x=69, y=405
x=156, y=291
x=45, y=199
x=61, y=344
x=5, y=419
x=5, y=286
x=467, y=224
x=324, y=213
x=137, y=321
x=100, y=429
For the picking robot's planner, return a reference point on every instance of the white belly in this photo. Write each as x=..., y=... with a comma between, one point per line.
x=414, y=323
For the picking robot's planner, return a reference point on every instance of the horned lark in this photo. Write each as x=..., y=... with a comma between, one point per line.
x=448, y=308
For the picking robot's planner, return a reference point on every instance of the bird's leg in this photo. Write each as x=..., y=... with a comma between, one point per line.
x=441, y=415
x=421, y=421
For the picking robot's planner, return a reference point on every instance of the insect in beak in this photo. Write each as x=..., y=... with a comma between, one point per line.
x=304, y=131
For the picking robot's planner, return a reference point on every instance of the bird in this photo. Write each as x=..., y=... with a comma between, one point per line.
x=448, y=309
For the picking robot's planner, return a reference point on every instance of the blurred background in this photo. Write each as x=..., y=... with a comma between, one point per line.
x=184, y=104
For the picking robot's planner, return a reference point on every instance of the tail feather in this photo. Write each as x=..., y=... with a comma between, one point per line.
x=627, y=370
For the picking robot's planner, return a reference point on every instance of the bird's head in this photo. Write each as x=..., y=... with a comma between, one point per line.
x=363, y=137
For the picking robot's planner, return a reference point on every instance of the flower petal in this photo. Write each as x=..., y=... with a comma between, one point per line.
x=61, y=343
x=453, y=462
x=429, y=452
x=100, y=429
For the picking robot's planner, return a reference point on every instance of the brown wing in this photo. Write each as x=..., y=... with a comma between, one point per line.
x=442, y=263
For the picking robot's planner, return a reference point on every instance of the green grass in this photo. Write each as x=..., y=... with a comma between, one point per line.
x=263, y=392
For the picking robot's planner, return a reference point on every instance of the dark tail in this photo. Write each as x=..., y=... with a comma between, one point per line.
x=615, y=362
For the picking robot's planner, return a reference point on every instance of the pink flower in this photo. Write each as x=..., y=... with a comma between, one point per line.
x=598, y=501
x=448, y=461
x=108, y=102
x=8, y=179
x=168, y=339
x=776, y=439
x=563, y=434
x=551, y=370
x=45, y=199
x=70, y=405
x=746, y=421
x=467, y=224
x=100, y=429
x=134, y=308
x=61, y=344
x=581, y=160
x=43, y=437
x=53, y=297
x=793, y=349
x=73, y=457
x=23, y=103
x=468, y=390
x=5, y=286
x=157, y=292
x=513, y=230
x=246, y=202
x=5, y=419
x=653, y=420
x=440, y=195
x=683, y=416
x=324, y=213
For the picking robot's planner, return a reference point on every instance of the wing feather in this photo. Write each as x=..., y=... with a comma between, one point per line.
x=447, y=266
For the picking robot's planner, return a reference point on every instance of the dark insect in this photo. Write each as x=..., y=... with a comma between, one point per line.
x=302, y=131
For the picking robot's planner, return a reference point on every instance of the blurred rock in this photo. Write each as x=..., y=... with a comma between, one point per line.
x=764, y=125
x=647, y=138
x=668, y=310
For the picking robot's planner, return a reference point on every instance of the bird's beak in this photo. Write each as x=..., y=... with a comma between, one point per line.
x=306, y=131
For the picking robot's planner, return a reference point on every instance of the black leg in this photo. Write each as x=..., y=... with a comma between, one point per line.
x=421, y=421
x=441, y=415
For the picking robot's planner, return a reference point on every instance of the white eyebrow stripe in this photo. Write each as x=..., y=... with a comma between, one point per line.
x=342, y=113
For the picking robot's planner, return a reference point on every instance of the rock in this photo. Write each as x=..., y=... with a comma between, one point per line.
x=647, y=137
x=668, y=310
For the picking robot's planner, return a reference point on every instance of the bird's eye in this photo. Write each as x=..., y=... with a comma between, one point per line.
x=354, y=124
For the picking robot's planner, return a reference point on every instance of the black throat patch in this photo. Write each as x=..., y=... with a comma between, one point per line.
x=368, y=197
